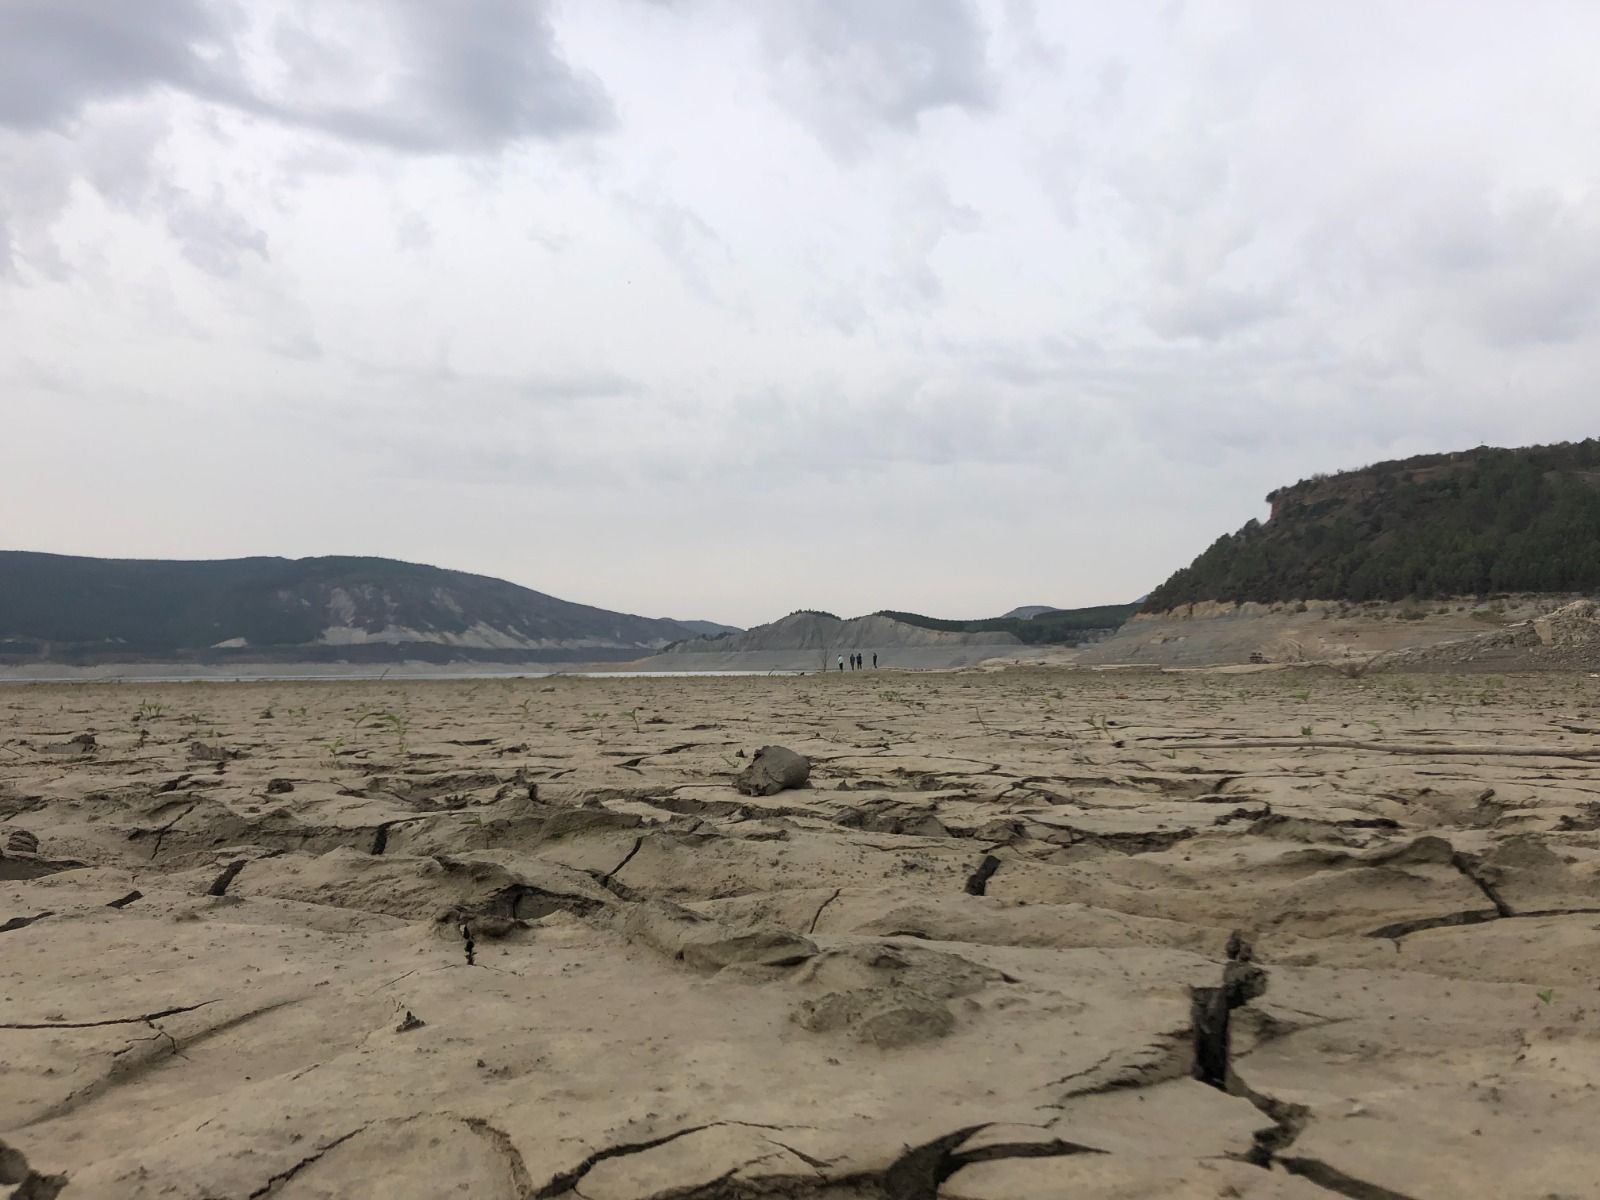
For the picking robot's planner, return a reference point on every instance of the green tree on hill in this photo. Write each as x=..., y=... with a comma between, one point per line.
x=1480, y=521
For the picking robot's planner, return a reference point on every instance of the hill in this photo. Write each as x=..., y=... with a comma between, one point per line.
x=1051, y=626
x=825, y=634
x=710, y=628
x=64, y=609
x=1468, y=523
x=1029, y=610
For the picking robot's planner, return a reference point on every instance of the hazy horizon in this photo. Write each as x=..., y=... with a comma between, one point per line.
x=574, y=599
x=707, y=310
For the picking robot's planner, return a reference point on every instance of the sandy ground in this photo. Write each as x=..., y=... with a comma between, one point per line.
x=234, y=961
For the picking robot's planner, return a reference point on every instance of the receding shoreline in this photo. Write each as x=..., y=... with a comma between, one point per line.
x=919, y=658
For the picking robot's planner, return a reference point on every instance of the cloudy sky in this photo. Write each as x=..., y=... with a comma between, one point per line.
x=711, y=308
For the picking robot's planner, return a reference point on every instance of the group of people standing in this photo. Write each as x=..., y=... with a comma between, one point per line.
x=858, y=661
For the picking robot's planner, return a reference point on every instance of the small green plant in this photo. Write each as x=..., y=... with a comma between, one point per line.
x=1547, y=995
x=393, y=720
x=149, y=711
x=1305, y=731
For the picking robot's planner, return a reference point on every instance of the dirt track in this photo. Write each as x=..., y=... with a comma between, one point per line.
x=234, y=937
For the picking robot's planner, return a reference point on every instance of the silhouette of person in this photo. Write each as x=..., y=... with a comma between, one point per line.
x=841, y=662
x=874, y=660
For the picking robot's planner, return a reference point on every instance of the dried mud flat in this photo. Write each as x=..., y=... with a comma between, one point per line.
x=236, y=922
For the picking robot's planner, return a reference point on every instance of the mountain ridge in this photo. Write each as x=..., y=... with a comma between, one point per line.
x=74, y=609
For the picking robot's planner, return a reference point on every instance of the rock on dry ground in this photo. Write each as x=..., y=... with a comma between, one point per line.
x=236, y=924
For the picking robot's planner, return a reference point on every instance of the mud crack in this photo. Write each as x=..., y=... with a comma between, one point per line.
x=143, y=1019
x=1502, y=911
x=1211, y=1008
x=161, y=831
x=978, y=882
x=1468, y=867
x=564, y=1182
x=23, y=922
x=219, y=885
x=506, y=1148
x=626, y=859
x=817, y=916
x=918, y=1173
x=271, y=1184
x=1316, y=1171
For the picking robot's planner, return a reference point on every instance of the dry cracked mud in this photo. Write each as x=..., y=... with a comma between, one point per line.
x=524, y=939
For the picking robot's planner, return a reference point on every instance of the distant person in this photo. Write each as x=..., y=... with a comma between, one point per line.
x=874, y=660
x=841, y=662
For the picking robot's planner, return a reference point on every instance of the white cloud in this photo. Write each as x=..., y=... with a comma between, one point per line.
x=717, y=309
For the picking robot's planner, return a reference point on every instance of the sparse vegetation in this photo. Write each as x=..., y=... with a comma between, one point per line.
x=395, y=721
x=1066, y=626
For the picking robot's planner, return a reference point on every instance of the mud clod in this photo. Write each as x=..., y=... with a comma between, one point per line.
x=773, y=769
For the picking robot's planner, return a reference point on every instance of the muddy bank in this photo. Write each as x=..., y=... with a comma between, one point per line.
x=1213, y=634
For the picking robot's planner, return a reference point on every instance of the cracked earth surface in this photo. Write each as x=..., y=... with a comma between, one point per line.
x=971, y=960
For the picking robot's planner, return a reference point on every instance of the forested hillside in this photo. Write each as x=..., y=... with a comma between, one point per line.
x=1469, y=523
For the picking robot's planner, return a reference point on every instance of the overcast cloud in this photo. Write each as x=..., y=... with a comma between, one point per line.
x=715, y=309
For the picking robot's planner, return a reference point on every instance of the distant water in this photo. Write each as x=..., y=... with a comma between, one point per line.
x=374, y=676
